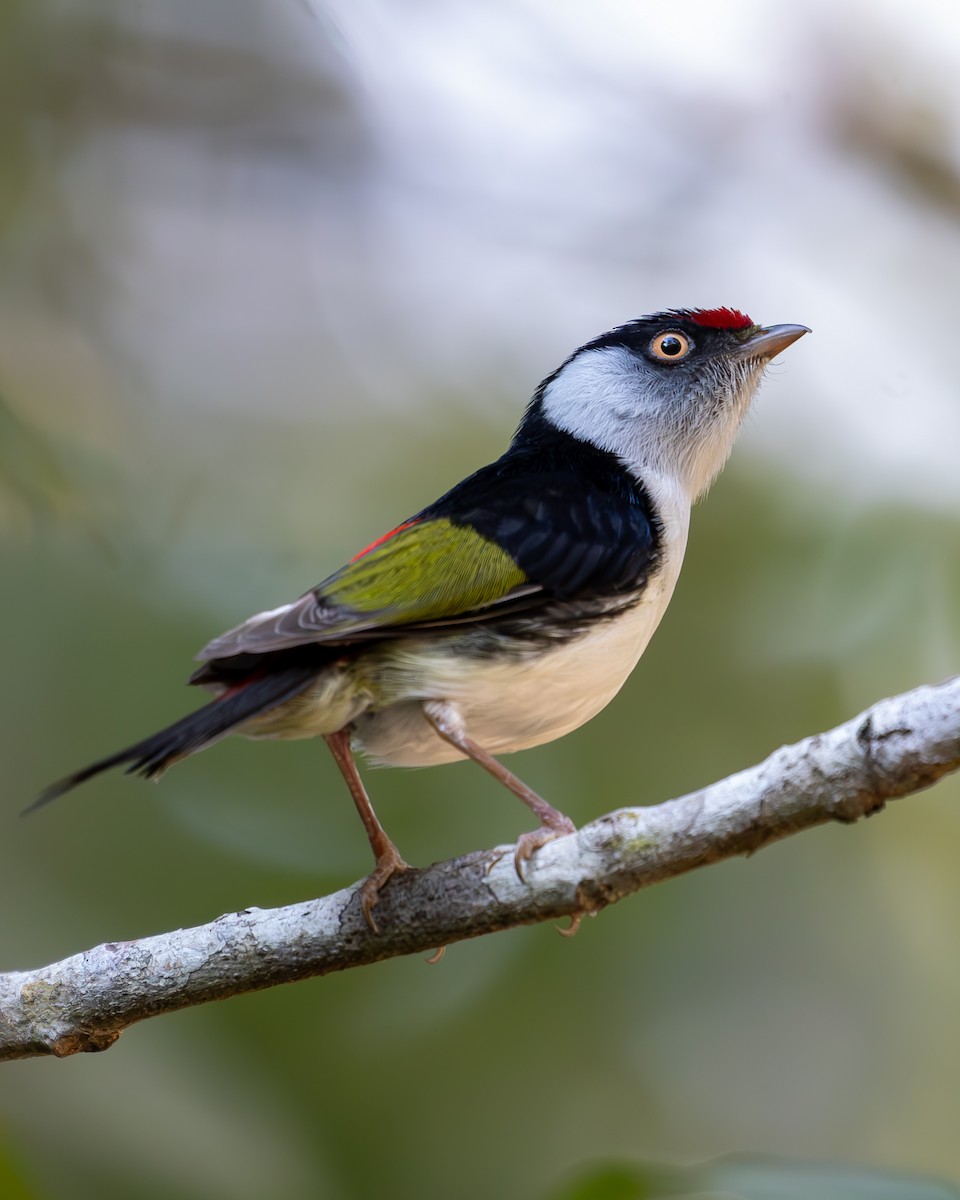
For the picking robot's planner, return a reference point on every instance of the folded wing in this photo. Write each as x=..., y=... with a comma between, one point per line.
x=511, y=536
x=426, y=571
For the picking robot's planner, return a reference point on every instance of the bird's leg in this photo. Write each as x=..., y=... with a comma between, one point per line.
x=384, y=851
x=447, y=720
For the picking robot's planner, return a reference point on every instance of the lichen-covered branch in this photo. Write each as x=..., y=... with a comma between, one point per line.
x=897, y=747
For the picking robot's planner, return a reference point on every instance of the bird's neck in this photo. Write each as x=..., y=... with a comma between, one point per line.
x=553, y=449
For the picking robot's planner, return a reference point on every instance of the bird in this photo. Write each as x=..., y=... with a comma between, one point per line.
x=511, y=610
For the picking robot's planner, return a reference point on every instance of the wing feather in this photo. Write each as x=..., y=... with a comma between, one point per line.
x=426, y=571
x=521, y=532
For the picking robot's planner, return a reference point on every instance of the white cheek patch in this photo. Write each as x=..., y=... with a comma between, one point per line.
x=596, y=396
x=681, y=427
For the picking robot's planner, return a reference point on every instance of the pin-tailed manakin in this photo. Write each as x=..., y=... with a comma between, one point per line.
x=511, y=610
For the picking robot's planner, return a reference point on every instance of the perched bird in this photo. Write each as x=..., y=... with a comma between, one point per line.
x=511, y=610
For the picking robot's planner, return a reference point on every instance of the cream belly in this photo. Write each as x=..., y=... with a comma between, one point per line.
x=510, y=704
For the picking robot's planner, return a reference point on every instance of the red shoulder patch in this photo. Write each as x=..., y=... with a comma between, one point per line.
x=720, y=318
x=384, y=538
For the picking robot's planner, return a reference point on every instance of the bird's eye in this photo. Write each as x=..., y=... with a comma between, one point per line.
x=670, y=346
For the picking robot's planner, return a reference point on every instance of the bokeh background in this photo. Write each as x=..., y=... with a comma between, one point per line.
x=272, y=276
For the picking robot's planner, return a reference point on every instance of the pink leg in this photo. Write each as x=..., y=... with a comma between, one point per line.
x=384, y=851
x=447, y=721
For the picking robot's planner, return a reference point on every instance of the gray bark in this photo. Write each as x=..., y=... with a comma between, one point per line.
x=83, y=1003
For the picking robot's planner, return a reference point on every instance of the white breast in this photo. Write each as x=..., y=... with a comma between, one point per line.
x=514, y=704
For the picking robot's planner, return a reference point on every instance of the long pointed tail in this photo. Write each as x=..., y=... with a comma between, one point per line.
x=153, y=755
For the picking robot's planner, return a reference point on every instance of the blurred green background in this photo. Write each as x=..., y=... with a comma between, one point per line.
x=272, y=276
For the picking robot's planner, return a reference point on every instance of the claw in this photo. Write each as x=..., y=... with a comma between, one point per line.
x=436, y=956
x=388, y=864
x=529, y=843
x=576, y=920
x=494, y=859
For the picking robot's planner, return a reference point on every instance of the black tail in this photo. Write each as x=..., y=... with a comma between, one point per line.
x=153, y=755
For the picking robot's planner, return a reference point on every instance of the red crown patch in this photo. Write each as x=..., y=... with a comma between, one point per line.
x=720, y=318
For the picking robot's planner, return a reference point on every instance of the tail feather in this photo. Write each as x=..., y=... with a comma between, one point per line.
x=154, y=754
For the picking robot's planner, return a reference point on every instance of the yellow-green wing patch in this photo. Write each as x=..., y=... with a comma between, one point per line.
x=424, y=571
x=428, y=570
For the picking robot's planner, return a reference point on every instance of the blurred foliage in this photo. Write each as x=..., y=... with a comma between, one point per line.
x=764, y=1179
x=18, y=67
x=33, y=484
x=13, y=1185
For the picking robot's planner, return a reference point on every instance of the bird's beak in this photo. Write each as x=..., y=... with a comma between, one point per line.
x=768, y=342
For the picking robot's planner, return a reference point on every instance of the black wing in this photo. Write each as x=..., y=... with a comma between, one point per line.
x=571, y=516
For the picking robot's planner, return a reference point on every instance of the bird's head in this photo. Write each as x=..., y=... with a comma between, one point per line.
x=666, y=393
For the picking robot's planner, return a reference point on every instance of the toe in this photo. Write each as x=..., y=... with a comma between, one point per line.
x=529, y=843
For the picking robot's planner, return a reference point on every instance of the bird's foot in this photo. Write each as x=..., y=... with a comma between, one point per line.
x=388, y=863
x=555, y=825
x=573, y=928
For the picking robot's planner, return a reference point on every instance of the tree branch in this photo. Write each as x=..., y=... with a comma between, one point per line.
x=83, y=1003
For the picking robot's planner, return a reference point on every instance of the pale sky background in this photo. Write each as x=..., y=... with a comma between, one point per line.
x=507, y=179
